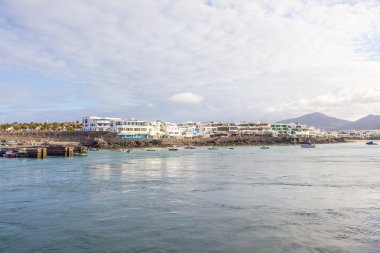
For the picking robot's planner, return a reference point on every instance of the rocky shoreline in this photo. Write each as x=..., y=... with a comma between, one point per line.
x=106, y=140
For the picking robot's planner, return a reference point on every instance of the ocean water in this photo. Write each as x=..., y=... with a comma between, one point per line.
x=285, y=199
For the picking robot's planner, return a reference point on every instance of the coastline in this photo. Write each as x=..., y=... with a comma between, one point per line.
x=105, y=140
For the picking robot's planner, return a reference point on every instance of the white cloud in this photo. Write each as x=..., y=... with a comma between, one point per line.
x=186, y=97
x=248, y=55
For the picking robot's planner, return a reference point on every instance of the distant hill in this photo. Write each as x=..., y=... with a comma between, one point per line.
x=323, y=121
x=319, y=120
x=368, y=122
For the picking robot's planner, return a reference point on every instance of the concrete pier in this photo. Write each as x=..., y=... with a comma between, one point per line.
x=60, y=151
x=44, y=152
x=39, y=153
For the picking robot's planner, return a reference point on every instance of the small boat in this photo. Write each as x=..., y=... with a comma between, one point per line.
x=371, y=143
x=189, y=147
x=173, y=148
x=212, y=148
x=150, y=150
x=94, y=149
x=10, y=154
x=231, y=148
x=307, y=145
x=83, y=153
x=264, y=147
x=22, y=153
x=124, y=150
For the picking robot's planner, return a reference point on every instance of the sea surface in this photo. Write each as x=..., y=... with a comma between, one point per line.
x=285, y=199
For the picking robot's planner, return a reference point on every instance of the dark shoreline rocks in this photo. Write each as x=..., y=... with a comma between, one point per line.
x=106, y=140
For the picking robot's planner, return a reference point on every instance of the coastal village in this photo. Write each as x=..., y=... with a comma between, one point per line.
x=142, y=129
x=40, y=140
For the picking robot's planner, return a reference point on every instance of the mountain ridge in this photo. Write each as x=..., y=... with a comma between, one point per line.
x=326, y=122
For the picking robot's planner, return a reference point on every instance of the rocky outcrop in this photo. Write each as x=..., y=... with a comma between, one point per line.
x=109, y=141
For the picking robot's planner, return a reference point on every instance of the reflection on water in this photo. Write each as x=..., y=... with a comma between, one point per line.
x=284, y=199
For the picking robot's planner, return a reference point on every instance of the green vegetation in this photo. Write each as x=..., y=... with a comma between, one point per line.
x=41, y=127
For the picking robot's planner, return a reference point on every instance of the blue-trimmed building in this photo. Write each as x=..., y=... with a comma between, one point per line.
x=131, y=129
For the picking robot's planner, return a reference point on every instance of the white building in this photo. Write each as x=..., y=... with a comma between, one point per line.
x=93, y=123
x=190, y=129
x=156, y=129
x=254, y=128
x=171, y=130
x=131, y=129
x=206, y=130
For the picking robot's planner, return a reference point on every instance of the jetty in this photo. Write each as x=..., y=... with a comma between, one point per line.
x=42, y=152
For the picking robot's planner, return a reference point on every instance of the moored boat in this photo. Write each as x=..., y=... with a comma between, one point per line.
x=83, y=153
x=264, y=147
x=189, y=147
x=124, y=150
x=307, y=145
x=371, y=143
x=212, y=148
x=22, y=153
x=173, y=148
x=10, y=154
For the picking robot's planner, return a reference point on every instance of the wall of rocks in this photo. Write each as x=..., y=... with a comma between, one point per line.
x=109, y=140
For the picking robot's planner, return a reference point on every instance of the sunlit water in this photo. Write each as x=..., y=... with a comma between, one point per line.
x=285, y=199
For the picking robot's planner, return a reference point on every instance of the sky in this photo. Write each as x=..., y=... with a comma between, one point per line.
x=181, y=60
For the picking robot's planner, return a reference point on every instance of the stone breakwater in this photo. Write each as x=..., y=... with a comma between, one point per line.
x=108, y=140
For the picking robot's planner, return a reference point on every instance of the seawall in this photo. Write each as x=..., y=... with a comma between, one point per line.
x=109, y=141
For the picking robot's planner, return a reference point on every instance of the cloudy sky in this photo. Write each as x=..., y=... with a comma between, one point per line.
x=188, y=59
